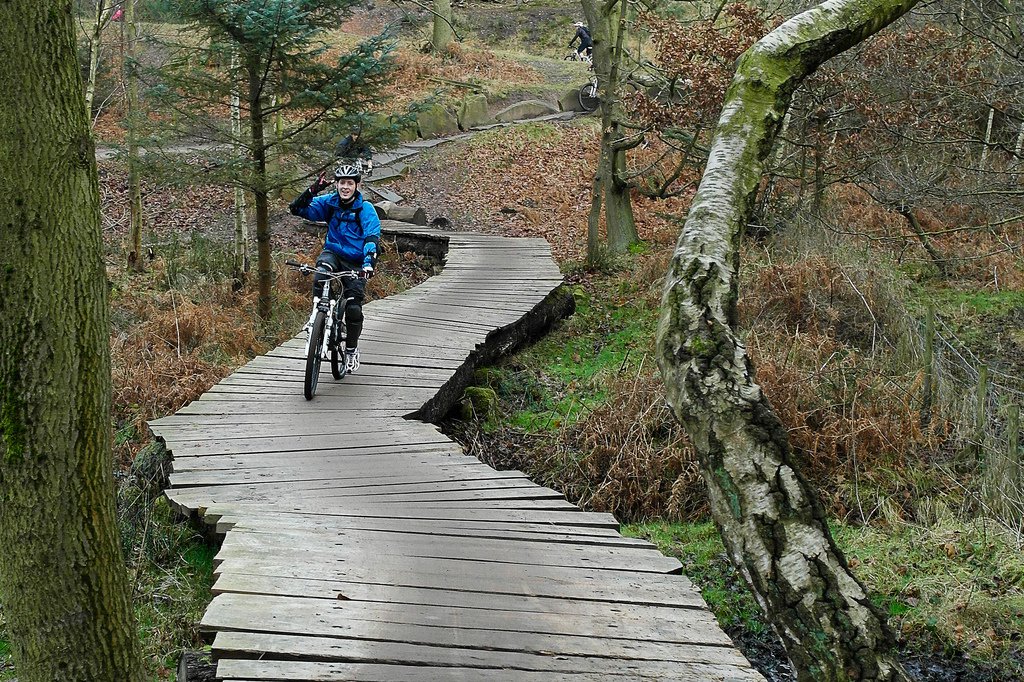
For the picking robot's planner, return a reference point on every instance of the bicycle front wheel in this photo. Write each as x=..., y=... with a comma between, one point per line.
x=337, y=354
x=588, y=97
x=316, y=344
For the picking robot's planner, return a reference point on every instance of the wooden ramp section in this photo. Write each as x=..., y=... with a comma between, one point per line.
x=363, y=545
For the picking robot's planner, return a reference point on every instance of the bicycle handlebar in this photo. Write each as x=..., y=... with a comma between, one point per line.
x=308, y=269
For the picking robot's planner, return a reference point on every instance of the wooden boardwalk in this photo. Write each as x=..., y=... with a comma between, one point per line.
x=362, y=545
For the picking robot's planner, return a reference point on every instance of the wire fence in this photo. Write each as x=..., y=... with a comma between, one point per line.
x=981, y=404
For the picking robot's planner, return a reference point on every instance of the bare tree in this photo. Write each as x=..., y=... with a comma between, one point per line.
x=607, y=22
x=770, y=519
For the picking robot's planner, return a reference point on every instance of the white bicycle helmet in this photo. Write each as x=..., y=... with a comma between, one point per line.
x=347, y=171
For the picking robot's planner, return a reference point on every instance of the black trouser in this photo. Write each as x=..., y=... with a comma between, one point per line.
x=353, y=289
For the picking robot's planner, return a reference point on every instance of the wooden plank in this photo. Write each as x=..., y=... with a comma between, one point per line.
x=412, y=535
x=280, y=445
x=446, y=627
x=456, y=528
x=262, y=670
x=571, y=518
x=409, y=553
x=437, y=663
x=632, y=617
x=552, y=582
x=696, y=626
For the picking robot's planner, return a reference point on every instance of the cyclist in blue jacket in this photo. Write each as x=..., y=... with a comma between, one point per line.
x=353, y=232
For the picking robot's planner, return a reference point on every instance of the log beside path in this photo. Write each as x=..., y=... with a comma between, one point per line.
x=359, y=543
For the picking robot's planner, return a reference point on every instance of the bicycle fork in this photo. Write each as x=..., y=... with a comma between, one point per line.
x=328, y=326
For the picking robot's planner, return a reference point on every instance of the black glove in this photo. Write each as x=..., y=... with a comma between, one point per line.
x=318, y=184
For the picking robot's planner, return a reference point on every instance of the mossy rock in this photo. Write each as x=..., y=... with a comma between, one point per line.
x=570, y=101
x=479, y=403
x=409, y=133
x=473, y=112
x=531, y=108
x=487, y=376
x=152, y=467
x=436, y=121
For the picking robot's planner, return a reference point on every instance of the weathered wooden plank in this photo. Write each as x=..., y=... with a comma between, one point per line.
x=445, y=627
x=355, y=546
x=569, y=518
x=552, y=582
x=599, y=619
x=440, y=660
x=410, y=552
x=455, y=528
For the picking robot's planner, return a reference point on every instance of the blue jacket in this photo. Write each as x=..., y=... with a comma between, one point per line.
x=353, y=232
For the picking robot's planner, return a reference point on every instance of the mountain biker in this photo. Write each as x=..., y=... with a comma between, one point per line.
x=582, y=35
x=352, y=148
x=353, y=232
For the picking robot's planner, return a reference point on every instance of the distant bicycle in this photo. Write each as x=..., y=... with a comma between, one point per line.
x=364, y=166
x=588, y=96
x=326, y=336
x=574, y=56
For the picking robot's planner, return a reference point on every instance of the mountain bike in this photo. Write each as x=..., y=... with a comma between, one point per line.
x=326, y=325
x=588, y=95
x=574, y=56
x=364, y=166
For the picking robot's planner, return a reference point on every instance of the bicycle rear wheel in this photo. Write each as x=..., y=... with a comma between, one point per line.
x=316, y=343
x=588, y=97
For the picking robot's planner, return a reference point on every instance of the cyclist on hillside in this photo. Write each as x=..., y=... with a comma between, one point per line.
x=586, y=42
x=352, y=148
x=353, y=232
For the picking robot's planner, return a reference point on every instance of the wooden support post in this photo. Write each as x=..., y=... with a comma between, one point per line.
x=1015, y=477
x=980, y=412
x=929, y=367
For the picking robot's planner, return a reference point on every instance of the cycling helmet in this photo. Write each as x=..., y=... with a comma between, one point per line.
x=347, y=171
x=579, y=24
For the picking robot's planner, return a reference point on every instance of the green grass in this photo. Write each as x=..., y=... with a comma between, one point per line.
x=565, y=374
x=700, y=549
x=6, y=663
x=957, y=302
x=172, y=570
x=954, y=587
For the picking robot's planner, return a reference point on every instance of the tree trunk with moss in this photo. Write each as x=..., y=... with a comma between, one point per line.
x=63, y=582
x=136, y=260
x=443, y=33
x=770, y=519
x=607, y=22
x=264, y=264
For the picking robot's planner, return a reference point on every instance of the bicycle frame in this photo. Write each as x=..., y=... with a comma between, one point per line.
x=328, y=305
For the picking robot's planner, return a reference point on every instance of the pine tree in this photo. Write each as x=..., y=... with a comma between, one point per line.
x=284, y=68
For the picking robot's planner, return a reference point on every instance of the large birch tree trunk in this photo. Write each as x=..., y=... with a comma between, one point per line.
x=63, y=582
x=770, y=519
